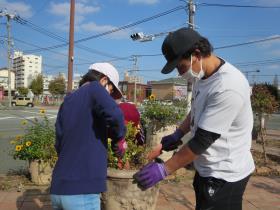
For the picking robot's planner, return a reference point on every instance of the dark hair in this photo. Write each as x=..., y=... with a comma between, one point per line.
x=92, y=75
x=203, y=46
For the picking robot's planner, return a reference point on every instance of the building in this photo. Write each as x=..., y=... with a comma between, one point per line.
x=169, y=89
x=48, y=78
x=133, y=85
x=46, y=82
x=4, y=79
x=26, y=68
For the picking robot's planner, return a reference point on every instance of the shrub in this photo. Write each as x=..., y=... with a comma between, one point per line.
x=157, y=115
x=36, y=142
x=135, y=155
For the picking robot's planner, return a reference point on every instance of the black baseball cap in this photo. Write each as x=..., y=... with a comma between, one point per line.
x=176, y=44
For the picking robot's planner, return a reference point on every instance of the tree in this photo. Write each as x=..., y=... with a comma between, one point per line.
x=22, y=91
x=263, y=102
x=273, y=91
x=37, y=85
x=57, y=86
x=275, y=81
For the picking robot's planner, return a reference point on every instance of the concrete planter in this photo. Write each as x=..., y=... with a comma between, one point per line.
x=40, y=172
x=154, y=138
x=122, y=194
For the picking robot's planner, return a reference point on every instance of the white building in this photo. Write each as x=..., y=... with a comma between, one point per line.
x=46, y=82
x=26, y=68
x=4, y=79
x=48, y=78
x=76, y=81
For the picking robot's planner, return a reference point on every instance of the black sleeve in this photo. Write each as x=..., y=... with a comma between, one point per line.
x=202, y=140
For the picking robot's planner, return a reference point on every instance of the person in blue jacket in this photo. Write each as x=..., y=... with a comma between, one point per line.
x=82, y=127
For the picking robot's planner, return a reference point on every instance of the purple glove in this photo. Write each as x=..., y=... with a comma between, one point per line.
x=150, y=174
x=172, y=141
x=119, y=147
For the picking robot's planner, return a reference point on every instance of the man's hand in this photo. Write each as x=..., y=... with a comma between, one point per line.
x=172, y=141
x=150, y=175
x=119, y=147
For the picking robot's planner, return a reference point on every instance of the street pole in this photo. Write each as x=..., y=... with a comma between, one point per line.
x=9, y=60
x=191, y=9
x=9, y=18
x=71, y=47
x=135, y=69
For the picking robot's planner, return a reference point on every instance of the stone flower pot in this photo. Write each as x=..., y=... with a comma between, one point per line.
x=122, y=194
x=40, y=172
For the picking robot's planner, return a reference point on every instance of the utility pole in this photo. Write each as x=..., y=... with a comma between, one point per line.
x=9, y=18
x=71, y=47
x=191, y=9
x=134, y=59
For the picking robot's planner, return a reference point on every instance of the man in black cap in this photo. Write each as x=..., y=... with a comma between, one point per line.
x=220, y=122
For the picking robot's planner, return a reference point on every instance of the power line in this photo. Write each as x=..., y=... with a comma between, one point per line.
x=247, y=43
x=57, y=37
x=33, y=45
x=226, y=46
x=238, y=6
x=258, y=63
x=114, y=30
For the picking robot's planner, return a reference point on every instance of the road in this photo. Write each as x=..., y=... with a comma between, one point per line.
x=10, y=126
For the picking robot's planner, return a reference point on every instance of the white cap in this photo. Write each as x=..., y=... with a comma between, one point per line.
x=111, y=72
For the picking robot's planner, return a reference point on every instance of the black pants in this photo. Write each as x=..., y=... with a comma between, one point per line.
x=218, y=194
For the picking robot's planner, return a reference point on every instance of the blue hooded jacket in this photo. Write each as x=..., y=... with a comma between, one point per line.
x=81, y=140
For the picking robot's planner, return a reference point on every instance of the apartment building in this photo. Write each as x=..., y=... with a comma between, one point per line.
x=4, y=79
x=26, y=68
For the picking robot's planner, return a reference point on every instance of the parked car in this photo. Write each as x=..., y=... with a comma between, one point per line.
x=22, y=101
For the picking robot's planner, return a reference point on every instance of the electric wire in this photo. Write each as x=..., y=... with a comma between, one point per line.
x=59, y=38
x=237, y=6
x=113, y=30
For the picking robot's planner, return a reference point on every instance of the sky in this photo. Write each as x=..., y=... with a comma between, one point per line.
x=224, y=26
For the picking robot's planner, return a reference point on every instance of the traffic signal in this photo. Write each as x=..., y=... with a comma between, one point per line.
x=137, y=36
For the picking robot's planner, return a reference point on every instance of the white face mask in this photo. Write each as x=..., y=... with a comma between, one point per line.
x=190, y=74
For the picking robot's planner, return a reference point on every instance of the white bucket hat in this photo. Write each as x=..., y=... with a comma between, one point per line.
x=111, y=72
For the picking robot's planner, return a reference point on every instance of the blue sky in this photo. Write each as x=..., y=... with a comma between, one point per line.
x=223, y=26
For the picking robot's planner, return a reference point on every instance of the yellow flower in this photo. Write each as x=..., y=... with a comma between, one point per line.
x=28, y=143
x=24, y=122
x=18, y=137
x=12, y=142
x=152, y=97
x=18, y=147
x=42, y=111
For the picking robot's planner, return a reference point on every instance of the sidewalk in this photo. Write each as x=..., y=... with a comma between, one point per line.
x=261, y=193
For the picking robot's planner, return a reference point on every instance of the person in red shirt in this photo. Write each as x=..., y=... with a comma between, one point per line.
x=131, y=114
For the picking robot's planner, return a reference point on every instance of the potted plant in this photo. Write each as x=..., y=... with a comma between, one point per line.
x=160, y=119
x=122, y=193
x=36, y=145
